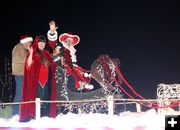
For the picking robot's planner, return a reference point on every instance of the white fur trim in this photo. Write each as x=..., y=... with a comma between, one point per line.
x=86, y=86
x=89, y=86
x=70, y=35
x=73, y=58
x=90, y=75
x=86, y=75
x=53, y=37
x=25, y=40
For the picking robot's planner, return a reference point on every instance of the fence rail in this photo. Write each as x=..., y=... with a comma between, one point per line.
x=111, y=102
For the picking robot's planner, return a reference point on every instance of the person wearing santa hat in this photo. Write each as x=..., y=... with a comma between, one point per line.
x=19, y=54
x=68, y=52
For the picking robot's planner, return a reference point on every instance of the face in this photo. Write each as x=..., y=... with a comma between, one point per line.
x=27, y=44
x=57, y=49
x=68, y=41
x=41, y=45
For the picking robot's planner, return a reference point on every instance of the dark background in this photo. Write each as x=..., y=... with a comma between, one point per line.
x=144, y=35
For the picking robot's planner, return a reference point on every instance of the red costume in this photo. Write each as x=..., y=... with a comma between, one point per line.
x=32, y=77
x=70, y=59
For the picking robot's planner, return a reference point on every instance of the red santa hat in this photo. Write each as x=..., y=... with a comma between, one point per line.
x=75, y=38
x=25, y=38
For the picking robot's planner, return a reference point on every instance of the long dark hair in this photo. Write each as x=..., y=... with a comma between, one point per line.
x=42, y=38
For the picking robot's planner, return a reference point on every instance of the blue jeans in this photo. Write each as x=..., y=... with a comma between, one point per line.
x=18, y=93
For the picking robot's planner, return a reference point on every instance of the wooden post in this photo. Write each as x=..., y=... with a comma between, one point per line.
x=110, y=105
x=38, y=108
x=138, y=107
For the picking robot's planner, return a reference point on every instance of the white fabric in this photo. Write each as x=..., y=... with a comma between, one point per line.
x=52, y=37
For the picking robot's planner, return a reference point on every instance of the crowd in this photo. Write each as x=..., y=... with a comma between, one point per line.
x=34, y=67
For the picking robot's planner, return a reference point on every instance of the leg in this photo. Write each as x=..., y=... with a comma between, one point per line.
x=18, y=93
x=43, y=94
x=71, y=84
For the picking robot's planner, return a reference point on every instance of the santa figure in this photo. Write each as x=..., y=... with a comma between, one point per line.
x=79, y=77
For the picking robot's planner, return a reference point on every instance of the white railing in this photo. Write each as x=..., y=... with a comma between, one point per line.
x=111, y=101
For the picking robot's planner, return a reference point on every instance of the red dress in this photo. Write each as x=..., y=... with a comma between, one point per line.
x=30, y=85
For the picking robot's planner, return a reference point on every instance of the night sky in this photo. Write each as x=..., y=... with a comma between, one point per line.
x=144, y=35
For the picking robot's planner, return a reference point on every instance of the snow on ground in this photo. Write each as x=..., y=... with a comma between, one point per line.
x=148, y=120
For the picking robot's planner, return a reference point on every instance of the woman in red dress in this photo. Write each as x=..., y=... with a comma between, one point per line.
x=39, y=81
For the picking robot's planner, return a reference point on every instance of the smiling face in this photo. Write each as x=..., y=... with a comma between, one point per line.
x=41, y=42
x=68, y=42
x=41, y=45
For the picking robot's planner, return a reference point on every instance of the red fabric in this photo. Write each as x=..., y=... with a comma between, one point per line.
x=67, y=56
x=43, y=75
x=77, y=75
x=81, y=69
x=30, y=85
x=74, y=71
x=52, y=43
x=64, y=36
